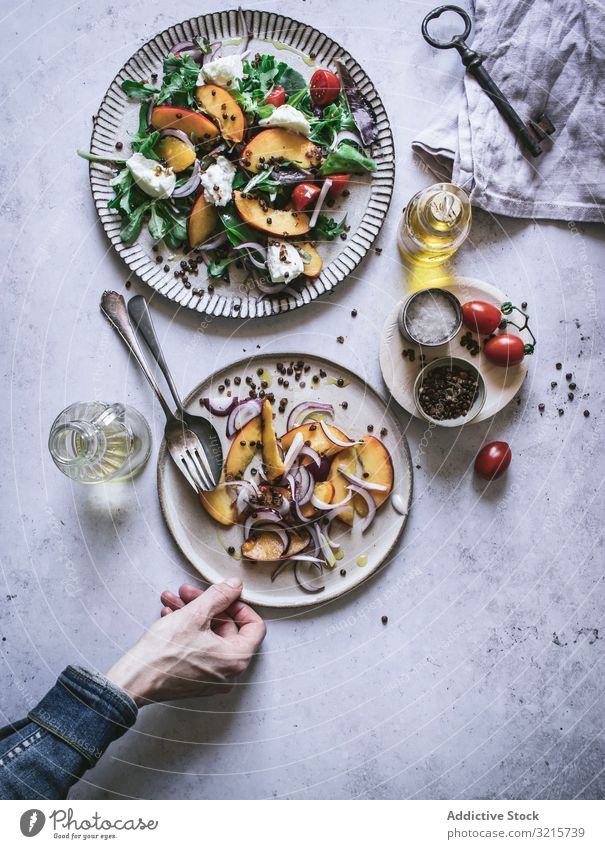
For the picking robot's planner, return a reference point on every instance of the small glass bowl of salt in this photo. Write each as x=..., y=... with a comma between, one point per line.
x=430, y=317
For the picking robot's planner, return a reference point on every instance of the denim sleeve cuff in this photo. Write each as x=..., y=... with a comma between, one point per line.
x=85, y=710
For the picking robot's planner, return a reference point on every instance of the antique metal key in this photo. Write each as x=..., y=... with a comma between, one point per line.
x=535, y=131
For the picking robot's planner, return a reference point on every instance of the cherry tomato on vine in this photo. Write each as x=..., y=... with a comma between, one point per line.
x=325, y=87
x=493, y=460
x=481, y=317
x=504, y=349
x=277, y=97
x=339, y=183
x=304, y=194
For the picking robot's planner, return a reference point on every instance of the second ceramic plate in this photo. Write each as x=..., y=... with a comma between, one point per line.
x=206, y=544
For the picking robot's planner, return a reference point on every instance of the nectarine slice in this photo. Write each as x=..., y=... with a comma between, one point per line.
x=271, y=456
x=196, y=126
x=279, y=145
x=242, y=450
x=219, y=504
x=264, y=546
x=315, y=436
x=312, y=261
x=377, y=465
x=277, y=222
x=346, y=459
x=202, y=222
x=176, y=154
x=324, y=490
x=221, y=106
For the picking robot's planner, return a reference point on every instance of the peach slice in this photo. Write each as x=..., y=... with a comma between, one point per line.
x=176, y=154
x=313, y=433
x=219, y=504
x=242, y=450
x=346, y=459
x=324, y=490
x=377, y=465
x=271, y=456
x=312, y=268
x=202, y=222
x=276, y=144
x=221, y=106
x=268, y=546
x=277, y=222
x=193, y=124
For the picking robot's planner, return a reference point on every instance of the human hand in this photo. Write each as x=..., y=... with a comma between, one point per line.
x=198, y=650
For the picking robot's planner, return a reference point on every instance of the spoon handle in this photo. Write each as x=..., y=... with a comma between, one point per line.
x=114, y=309
x=141, y=318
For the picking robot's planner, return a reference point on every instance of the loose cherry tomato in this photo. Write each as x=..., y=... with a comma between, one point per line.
x=493, y=460
x=480, y=317
x=303, y=195
x=325, y=87
x=277, y=97
x=339, y=184
x=504, y=349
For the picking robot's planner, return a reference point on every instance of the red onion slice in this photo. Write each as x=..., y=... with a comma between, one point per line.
x=307, y=407
x=345, y=134
x=377, y=487
x=322, y=196
x=307, y=483
x=309, y=585
x=310, y=452
x=192, y=183
x=335, y=439
x=371, y=506
x=253, y=246
x=243, y=413
x=298, y=443
x=277, y=572
x=322, y=505
x=178, y=134
x=150, y=109
x=267, y=516
x=220, y=406
x=214, y=242
x=257, y=263
x=280, y=532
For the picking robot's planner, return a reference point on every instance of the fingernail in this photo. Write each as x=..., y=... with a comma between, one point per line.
x=235, y=582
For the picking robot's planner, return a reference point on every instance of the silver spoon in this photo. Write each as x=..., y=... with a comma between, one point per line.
x=204, y=430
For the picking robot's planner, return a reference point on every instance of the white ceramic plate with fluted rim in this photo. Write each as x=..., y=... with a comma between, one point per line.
x=399, y=373
x=366, y=207
x=204, y=542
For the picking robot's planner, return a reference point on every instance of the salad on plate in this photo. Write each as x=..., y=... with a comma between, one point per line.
x=287, y=492
x=238, y=160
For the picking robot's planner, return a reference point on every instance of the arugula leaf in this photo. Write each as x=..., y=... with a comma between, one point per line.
x=158, y=226
x=237, y=231
x=327, y=229
x=203, y=44
x=132, y=227
x=346, y=159
x=290, y=79
x=146, y=145
x=176, y=232
x=138, y=89
x=179, y=81
x=261, y=177
x=218, y=268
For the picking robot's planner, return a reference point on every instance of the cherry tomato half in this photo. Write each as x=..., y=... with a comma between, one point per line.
x=277, y=97
x=339, y=183
x=325, y=87
x=303, y=195
x=480, y=317
x=493, y=460
x=504, y=349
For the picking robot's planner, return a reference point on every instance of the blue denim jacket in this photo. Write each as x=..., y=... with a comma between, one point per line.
x=63, y=736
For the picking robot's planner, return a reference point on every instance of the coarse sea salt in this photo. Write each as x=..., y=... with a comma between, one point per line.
x=431, y=318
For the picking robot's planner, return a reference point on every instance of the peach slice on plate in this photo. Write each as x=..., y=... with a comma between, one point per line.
x=221, y=106
x=202, y=222
x=219, y=504
x=314, y=434
x=193, y=124
x=279, y=144
x=271, y=456
x=312, y=261
x=324, y=490
x=268, y=546
x=376, y=463
x=176, y=154
x=346, y=459
x=242, y=450
x=276, y=222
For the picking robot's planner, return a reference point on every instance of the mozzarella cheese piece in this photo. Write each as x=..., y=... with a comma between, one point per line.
x=151, y=176
x=217, y=181
x=224, y=71
x=283, y=261
x=288, y=118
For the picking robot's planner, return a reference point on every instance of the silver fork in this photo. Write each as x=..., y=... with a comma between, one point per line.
x=183, y=445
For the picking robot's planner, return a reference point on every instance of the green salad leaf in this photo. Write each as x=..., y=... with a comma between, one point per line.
x=138, y=89
x=346, y=159
x=237, y=231
x=133, y=224
x=179, y=81
x=327, y=229
x=291, y=80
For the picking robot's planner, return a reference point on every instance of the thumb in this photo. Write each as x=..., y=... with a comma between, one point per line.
x=215, y=600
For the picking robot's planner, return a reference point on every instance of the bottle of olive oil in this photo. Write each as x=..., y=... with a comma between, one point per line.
x=435, y=223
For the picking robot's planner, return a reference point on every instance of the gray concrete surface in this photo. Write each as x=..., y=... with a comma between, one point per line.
x=488, y=679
